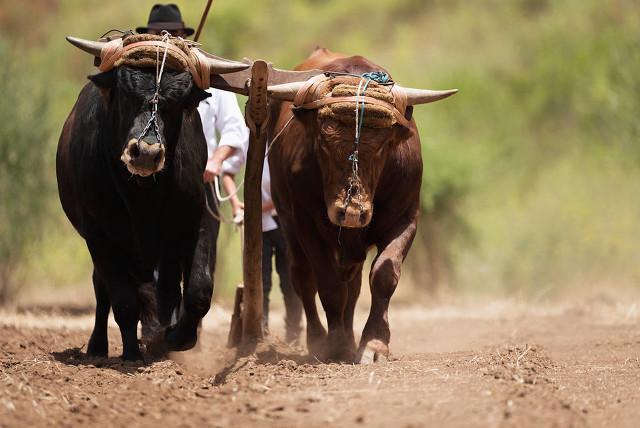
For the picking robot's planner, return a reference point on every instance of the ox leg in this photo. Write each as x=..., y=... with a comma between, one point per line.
x=334, y=294
x=385, y=273
x=199, y=265
x=339, y=295
x=320, y=276
x=126, y=312
x=305, y=285
x=123, y=293
x=354, y=292
x=168, y=286
x=99, y=343
x=292, y=302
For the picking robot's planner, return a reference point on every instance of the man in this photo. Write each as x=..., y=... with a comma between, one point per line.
x=219, y=113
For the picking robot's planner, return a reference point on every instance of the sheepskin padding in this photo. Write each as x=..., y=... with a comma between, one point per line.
x=147, y=56
x=375, y=116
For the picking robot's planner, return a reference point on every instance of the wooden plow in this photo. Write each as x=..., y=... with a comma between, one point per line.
x=246, y=321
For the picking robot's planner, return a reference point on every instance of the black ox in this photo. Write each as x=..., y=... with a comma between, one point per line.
x=140, y=204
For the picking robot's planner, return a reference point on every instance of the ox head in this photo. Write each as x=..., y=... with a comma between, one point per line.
x=146, y=117
x=349, y=188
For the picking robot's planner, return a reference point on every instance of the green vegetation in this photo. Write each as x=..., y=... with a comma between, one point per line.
x=24, y=165
x=530, y=172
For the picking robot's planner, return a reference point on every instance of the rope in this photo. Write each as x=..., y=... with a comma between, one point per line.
x=272, y=142
x=165, y=39
x=121, y=33
x=354, y=180
x=229, y=196
x=217, y=216
x=153, y=120
x=379, y=77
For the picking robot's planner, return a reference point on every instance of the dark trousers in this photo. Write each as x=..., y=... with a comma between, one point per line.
x=273, y=243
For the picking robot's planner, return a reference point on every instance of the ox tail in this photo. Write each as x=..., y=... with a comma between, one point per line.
x=148, y=311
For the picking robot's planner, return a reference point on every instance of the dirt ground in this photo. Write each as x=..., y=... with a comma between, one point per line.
x=501, y=363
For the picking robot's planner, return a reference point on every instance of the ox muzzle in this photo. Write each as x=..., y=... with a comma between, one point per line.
x=143, y=158
x=354, y=214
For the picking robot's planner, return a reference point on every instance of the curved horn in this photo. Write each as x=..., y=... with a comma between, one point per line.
x=285, y=91
x=424, y=96
x=218, y=65
x=88, y=46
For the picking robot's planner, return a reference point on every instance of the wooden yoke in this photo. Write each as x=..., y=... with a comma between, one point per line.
x=256, y=116
x=239, y=81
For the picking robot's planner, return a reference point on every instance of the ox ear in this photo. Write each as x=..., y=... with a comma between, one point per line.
x=196, y=95
x=309, y=119
x=408, y=113
x=105, y=80
x=401, y=132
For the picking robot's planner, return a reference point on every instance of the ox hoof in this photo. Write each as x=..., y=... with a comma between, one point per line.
x=97, y=351
x=133, y=356
x=155, y=344
x=181, y=339
x=317, y=346
x=374, y=352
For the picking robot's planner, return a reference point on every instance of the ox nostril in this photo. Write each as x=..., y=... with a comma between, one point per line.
x=341, y=215
x=363, y=217
x=134, y=151
x=157, y=158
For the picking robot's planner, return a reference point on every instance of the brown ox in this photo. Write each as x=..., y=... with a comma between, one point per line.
x=329, y=232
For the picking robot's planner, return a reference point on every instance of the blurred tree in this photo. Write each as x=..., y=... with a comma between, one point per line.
x=445, y=184
x=24, y=166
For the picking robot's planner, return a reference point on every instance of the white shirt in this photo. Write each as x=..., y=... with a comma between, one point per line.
x=268, y=223
x=220, y=112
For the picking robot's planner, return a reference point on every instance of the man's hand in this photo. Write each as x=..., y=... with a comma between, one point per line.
x=268, y=206
x=238, y=218
x=214, y=164
x=236, y=205
x=213, y=169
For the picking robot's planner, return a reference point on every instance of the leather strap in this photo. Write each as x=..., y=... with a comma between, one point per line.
x=200, y=69
x=308, y=90
x=110, y=53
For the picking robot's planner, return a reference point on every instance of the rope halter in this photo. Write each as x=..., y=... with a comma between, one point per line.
x=334, y=95
x=153, y=120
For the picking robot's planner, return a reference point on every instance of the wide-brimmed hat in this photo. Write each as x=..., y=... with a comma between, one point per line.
x=165, y=17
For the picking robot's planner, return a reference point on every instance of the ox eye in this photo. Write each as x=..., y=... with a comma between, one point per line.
x=325, y=146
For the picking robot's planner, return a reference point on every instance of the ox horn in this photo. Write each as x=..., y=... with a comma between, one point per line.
x=424, y=96
x=219, y=65
x=285, y=91
x=288, y=91
x=89, y=46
